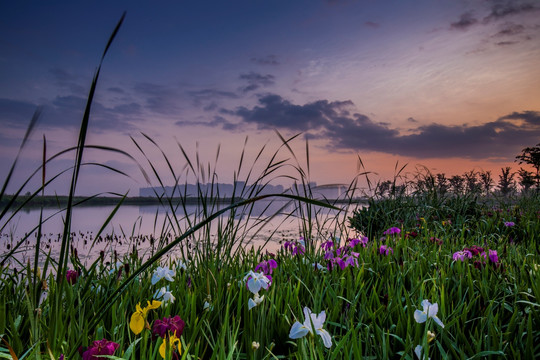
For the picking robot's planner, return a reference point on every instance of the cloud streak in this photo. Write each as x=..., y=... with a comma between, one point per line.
x=67, y=111
x=256, y=81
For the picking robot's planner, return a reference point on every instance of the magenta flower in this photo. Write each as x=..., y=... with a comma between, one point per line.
x=72, y=276
x=493, y=256
x=295, y=247
x=436, y=240
x=509, y=223
x=329, y=255
x=327, y=245
x=342, y=251
x=266, y=266
x=385, y=250
x=100, y=347
x=342, y=265
x=363, y=241
x=299, y=249
x=352, y=260
x=392, y=230
x=168, y=326
x=462, y=255
x=475, y=250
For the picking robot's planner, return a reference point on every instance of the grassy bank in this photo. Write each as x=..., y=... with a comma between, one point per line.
x=488, y=304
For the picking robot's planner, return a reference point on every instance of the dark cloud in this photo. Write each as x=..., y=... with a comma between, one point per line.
x=116, y=90
x=16, y=113
x=208, y=98
x=343, y=130
x=510, y=29
x=340, y=2
x=66, y=80
x=506, y=43
x=216, y=122
x=255, y=81
x=208, y=94
x=267, y=60
x=372, y=24
x=497, y=139
x=531, y=118
x=158, y=98
x=465, y=21
x=508, y=8
x=274, y=112
x=68, y=111
x=412, y=120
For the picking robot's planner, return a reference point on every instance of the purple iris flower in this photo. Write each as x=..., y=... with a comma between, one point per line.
x=363, y=241
x=385, y=250
x=266, y=266
x=493, y=256
x=168, y=326
x=462, y=255
x=327, y=245
x=392, y=230
x=100, y=347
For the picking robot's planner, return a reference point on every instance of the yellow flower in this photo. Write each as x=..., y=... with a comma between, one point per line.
x=430, y=336
x=138, y=319
x=174, y=343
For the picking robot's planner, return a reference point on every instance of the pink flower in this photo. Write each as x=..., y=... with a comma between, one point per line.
x=100, y=347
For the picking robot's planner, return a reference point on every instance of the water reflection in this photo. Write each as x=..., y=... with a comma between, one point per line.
x=142, y=227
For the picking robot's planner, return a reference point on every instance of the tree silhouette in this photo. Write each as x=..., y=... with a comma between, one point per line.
x=506, y=180
x=531, y=156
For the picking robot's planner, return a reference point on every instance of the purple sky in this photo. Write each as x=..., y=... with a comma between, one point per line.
x=451, y=85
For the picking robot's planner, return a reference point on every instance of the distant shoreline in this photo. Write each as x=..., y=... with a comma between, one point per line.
x=50, y=201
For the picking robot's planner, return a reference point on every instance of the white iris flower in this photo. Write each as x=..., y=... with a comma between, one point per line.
x=163, y=273
x=313, y=324
x=429, y=311
x=256, y=281
x=255, y=301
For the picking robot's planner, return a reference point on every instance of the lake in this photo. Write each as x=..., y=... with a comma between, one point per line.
x=269, y=221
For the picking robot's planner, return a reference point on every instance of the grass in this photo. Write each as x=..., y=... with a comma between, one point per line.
x=489, y=308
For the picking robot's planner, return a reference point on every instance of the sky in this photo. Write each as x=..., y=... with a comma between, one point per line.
x=444, y=85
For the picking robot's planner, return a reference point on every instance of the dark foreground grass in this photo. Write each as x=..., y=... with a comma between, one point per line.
x=488, y=308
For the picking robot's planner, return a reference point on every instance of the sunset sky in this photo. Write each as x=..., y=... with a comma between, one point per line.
x=446, y=84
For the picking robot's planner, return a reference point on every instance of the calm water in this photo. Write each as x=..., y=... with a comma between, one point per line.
x=136, y=226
